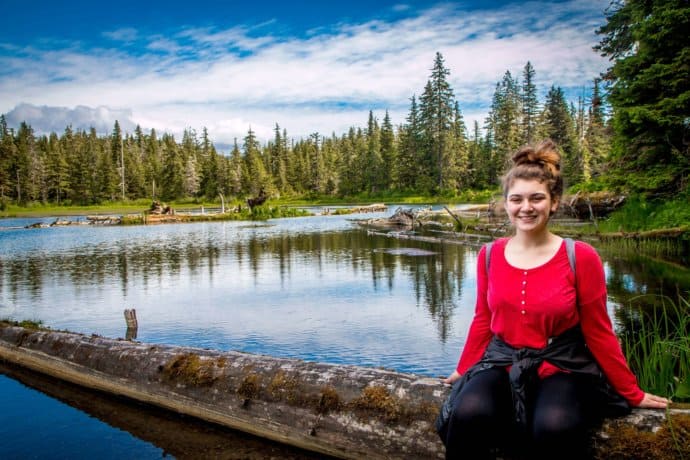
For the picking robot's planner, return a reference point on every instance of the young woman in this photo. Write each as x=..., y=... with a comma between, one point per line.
x=541, y=359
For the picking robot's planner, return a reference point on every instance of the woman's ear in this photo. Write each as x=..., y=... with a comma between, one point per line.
x=554, y=206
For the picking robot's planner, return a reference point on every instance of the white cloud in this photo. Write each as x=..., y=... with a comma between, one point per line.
x=56, y=119
x=228, y=80
x=126, y=34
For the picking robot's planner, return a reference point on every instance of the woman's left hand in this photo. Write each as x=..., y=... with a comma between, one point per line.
x=651, y=401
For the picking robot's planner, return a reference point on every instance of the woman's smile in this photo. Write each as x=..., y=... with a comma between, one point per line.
x=529, y=205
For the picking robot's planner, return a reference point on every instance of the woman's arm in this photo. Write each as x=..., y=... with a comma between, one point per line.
x=480, y=333
x=598, y=330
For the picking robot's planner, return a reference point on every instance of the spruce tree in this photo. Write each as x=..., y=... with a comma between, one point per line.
x=559, y=126
x=436, y=117
x=530, y=104
x=7, y=155
x=408, y=166
x=649, y=92
x=388, y=152
x=596, y=142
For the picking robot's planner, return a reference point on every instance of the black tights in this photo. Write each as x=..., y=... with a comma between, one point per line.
x=482, y=419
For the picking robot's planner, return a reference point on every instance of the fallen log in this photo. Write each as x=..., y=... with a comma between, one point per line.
x=674, y=232
x=341, y=411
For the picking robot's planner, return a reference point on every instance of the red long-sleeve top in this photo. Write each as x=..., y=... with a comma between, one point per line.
x=527, y=307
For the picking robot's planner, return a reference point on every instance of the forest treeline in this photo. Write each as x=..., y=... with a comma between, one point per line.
x=631, y=132
x=431, y=153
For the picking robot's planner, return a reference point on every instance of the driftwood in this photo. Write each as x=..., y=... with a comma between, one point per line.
x=375, y=207
x=337, y=410
x=104, y=220
x=400, y=218
x=161, y=209
x=592, y=206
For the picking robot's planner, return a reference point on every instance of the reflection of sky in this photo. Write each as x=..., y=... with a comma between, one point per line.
x=33, y=425
x=229, y=285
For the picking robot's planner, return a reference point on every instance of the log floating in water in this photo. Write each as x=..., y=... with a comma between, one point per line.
x=342, y=411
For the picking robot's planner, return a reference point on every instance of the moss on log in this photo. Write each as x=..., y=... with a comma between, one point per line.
x=340, y=411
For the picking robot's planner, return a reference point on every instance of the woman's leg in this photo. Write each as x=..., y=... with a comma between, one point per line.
x=481, y=417
x=560, y=422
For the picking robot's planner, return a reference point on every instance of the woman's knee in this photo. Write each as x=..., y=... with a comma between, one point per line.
x=557, y=422
x=559, y=409
x=484, y=398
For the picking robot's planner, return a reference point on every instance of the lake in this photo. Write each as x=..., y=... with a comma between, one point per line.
x=317, y=288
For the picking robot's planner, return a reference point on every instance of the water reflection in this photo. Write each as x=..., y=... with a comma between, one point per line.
x=229, y=286
x=174, y=436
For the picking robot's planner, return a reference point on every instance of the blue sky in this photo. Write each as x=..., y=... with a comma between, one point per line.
x=309, y=66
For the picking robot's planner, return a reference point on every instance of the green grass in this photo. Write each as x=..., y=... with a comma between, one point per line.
x=137, y=207
x=640, y=214
x=657, y=345
x=26, y=323
x=397, y=197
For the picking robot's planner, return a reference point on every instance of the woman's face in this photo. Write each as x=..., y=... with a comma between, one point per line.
x=529, y=205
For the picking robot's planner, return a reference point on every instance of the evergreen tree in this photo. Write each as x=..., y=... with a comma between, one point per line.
x=113, y=168
x=436, y=116
x=153, y=165
x=407, y=168
x=596, y=142
x=257, y=178
x=174, y=169
x=559, y=126
x=279, y=155
x=236, y=171
x=21, y=163
x=135, y=182
x=649, y=92
x=81, y=166
x=388, y=152
x=530, y=104
x=209, y=184
x=372, y=163
x=506, y=111
x=317, y=176
x=458, y=162
x=350, y=179
x=57, y=169
x=8, y=152
x=479, y=159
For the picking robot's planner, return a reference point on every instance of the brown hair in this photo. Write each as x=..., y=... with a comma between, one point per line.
x=542, y=163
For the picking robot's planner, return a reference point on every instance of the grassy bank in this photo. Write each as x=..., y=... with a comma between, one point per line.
x=639, y=214
x=656, y=339
x=272, y=209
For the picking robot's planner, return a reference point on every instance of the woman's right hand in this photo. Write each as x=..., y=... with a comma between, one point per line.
x=651, y=401
x=451, y=378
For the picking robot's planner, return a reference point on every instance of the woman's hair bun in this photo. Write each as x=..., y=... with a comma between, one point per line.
x=545, y=155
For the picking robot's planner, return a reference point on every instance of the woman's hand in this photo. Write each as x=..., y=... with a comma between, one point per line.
x=451, y=378
x=651, y=401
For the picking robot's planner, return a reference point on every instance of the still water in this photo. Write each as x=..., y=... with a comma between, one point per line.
x=317, y=288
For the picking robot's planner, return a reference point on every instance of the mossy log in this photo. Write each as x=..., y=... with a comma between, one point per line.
x=340, y=411
x=662, y=233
